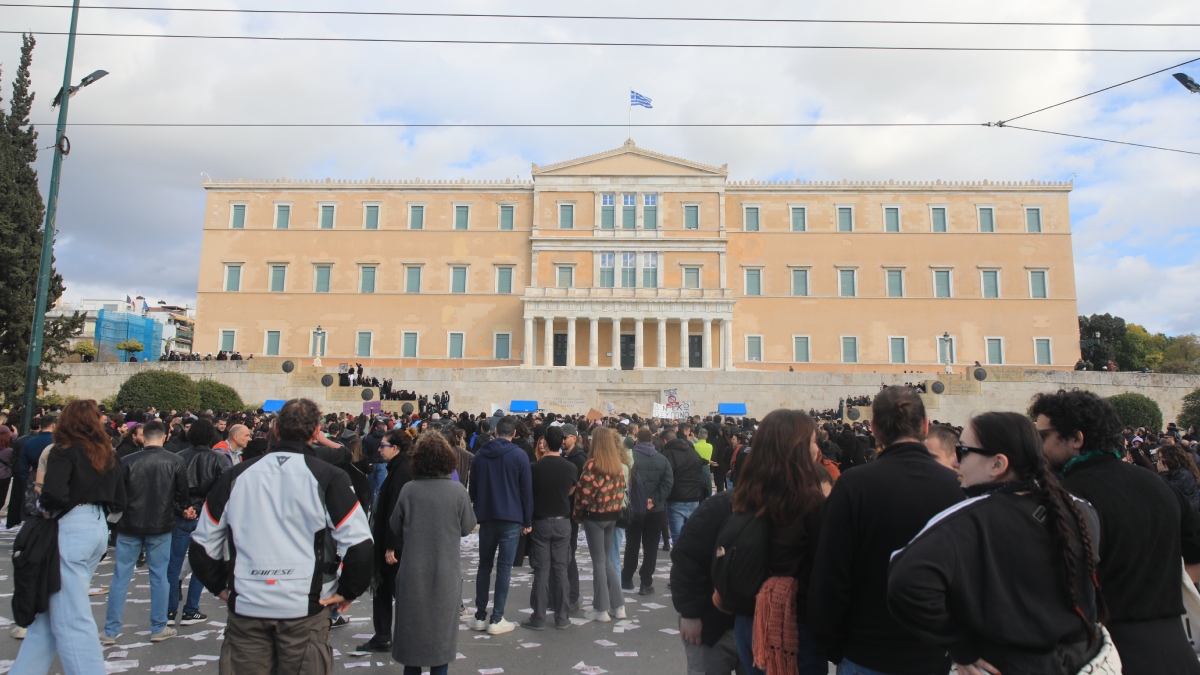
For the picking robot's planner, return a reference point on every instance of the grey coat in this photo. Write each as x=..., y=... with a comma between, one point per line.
x=433, y=514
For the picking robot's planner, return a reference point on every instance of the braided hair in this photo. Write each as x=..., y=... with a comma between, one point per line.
x=1015, y=437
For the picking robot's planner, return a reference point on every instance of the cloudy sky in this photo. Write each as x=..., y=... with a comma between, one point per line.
x=131, y=206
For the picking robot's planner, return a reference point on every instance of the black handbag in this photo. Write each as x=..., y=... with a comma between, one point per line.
x=36, y=573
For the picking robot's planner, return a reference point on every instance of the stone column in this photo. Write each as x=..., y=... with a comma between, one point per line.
x=530, y=357
x=616, y=343
x=639, y=354
x=570, y=342
x=593, y=342
x=727, y=343
x=707, y=358
x=548, y=352
x=662, y=343
x=683, y=344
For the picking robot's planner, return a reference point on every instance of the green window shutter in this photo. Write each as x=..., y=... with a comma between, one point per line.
x=897, y=349
x=364, y=345
x=565, y=277
x=691, y=277
x=460, y=217
x=752, y=219
x=1042, y=347
x=239, y=217
x=846, y=283
x=566, y=216
x=1037, y=283
x=629, y=217
x=753, y=282
x=939, y=219
x=371, y=217
x=754, y=348
x=800, y=282
x=456, y=345
x=416, y=218
x=895, y=283
x=458, y=280
x=995, y=351
x=799, y=219
x=941, y=283
x=502, y=351
x=606, y=277
x=506, y=217
x=322, y=281
x=608, y=217
x=504, y=280
x=233, y=278
x=849, y=350
x=800, y=350
x=650, y=277
x=278, y=278
x=650, y=217
x=413, y=281
x=1033, y=220
x=326, y=216
x=410, y=345
x=628, y=277
x=691, y=217
x=368, y=280
x=987, y=220
x=227, y=337
x=845, y=219
x=283, y=214
x=991, y=284
x=272, y=343
x=891, y=219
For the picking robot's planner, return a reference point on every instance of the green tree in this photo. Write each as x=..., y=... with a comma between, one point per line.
x=217, y=396
x=130, y=347
x=1182, y=354
x=85, y=349
x=1137, y=410
x=1189, y=414
x=159, y=389
x=1099, y=351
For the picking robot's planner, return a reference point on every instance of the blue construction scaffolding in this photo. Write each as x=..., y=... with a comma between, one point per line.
x=116, y=327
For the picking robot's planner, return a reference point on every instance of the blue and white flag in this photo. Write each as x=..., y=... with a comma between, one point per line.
x=637, y=99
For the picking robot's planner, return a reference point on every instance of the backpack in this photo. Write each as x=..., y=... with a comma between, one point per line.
x=739, y=565
x=635, y=490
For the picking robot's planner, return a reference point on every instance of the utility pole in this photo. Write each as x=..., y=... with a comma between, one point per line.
x=33, y=366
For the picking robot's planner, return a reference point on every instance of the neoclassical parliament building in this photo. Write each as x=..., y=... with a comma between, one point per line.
x=631, y=259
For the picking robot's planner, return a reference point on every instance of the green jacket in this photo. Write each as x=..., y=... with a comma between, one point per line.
x=704, y=449
x=655, y=472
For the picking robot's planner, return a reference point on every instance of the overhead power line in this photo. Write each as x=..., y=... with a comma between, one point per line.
x=591, y=43
x=584, y=17
x=1103, y=140
x=518, y=125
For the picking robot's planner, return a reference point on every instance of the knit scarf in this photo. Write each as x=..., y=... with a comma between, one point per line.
x=1084, y=457
x=776, y=631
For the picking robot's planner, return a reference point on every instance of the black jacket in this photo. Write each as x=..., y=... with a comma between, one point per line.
x=389, y=493
x=202, y=466
x=722, y=453
x=985, y=580
x=691, y=567
x=1181, y=479
x=873, y=511
x=370, y=446
x=126, y=447
x=686, y=467
x=156, y=488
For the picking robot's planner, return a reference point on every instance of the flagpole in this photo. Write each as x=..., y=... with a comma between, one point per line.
x=629, y=122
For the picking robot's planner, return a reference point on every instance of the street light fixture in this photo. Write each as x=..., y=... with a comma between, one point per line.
x=1187, y=82
x=71, y=91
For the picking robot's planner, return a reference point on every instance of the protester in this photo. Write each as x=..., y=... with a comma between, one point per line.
x=942, y=443
x=705, y=450
x=20, y=474
x=687, y=488
x=1145, y=529
x=6, y=462
x=599, y=497
x=370, y=448
x=873, y=510
x=554, y=480
x=202, y=466
x=616, y=554
x=431, y=516
x=1179, y=469
x=131, y=441
x=83, y=482
x=1005, y=580
x=234, y=444
x=654, y=472
x=722, y=455
x=575, y=454
x=389, y=543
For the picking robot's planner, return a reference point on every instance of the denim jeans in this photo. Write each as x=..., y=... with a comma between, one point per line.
x=377, y=476
x=181, y=538
x=158, y=556
x=677, y=515
x=68, y=629
x=501, y=535
x=615, y=554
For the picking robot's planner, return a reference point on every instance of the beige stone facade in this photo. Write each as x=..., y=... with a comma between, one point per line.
x=637, y=260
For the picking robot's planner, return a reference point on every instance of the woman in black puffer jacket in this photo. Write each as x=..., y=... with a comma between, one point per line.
x=1178, y=468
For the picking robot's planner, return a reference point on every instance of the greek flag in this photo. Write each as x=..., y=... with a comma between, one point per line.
x=637, y=99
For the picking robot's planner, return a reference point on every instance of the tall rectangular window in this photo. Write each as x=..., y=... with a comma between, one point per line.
x=233, y=278
x=272, y=346
x=566, y=216
x=283, y=214
x=327, y=216
x=649, y=270
x=995, y=351
x=847, y=286
x=691, y=277
x=753, y=282
x=987, y=219
x=228, y=337
x=608, y=273
x=800, y=283
x=1041, y=348
x=628, y=270
x=628, y=212
x=608, y=212
x=318, y=343
x=938, y=214
x=800, y=353
x=941, y=283
x=691, y=217
x=237, y=219
x=363, y=345
x=945, y=350
x=799, y=219
x=506, y=216
x=416, y=217
x=278, y=278
x=751, y=216
x=845, y=216
x=1033, y=220
x=649, y=212
x=458, y=280
x=566, y=277
x=455, y=350
x=321, y=284
x=891, y=219
x=1037, y=283
x=991, y=283
x=367, y=283
x=849, y=350
x=504, y=280
x=898, y=349
x=371, y=217
x=895, y=283
x=502, y=345
x=754, y=348
x=461, y=214
x=412, y=280
x=410, y=346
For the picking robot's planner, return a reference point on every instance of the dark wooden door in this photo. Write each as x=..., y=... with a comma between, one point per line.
x=695, y=351
x=560, y=349
x=628, y=345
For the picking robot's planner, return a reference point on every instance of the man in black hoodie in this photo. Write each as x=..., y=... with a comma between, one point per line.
x=875, y=510
x=687, y=467
x=707, y=632
x=370, y=446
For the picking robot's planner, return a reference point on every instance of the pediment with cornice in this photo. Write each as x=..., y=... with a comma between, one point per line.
x=629, y=160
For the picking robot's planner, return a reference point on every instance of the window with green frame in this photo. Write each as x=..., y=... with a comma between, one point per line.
x=753, y=282
x=416, y=217
x=321, y=284
x=1033, y=220
x=991, y=283
x=412, y=280
x=799, y=219
x=327, y=216
x=371, y=217
x=751, y=218
x=898, y=349
x=941, y=283
x=650, y=270
x=608, y=208
x=458, y=280
x=628, y=270
x=629, y=212
x=367, y=283
x=456, y=346
x=649, y=212
x=849, y=350
x=800, y=353
x=363, y=347
x=691, y=216
x=938, y=215
x=506, y=216
x=891, y=219
x=607, y=270
x=237, y=219
x=410, y=346
x=800, y=283
x=504, y=277
x=283, y=214
x=895, y=283
x=272, y=346
x=462, y=213
x=995, y=351
x=845, y=219
x=278, y=278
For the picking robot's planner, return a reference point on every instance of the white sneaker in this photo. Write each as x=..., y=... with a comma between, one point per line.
x=479, y=624
x=619, y=613
x=596, y=615
x=165, y=634
x=501, y=626
x=18, y=632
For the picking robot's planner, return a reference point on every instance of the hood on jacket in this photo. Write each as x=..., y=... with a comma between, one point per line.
x=679, y=444
x=645, y=448
x=498, y=447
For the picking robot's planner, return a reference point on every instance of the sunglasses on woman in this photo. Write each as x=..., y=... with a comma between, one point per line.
x=961, y=451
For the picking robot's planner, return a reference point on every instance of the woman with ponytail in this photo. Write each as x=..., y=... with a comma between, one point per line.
x=1006, y=581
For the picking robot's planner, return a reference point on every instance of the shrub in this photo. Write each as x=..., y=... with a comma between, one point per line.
x=217, y=396
x=1136, y=410
x=85, y=349
x=1190, y=413
x=130, y=346
x=109, y=403
x=159, y=389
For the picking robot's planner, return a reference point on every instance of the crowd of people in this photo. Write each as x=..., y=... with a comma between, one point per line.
x=1051, y=543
